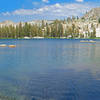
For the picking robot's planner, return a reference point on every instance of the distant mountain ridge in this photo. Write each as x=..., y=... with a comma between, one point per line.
x=33, y=22
x=7, y=22
x=93, y=14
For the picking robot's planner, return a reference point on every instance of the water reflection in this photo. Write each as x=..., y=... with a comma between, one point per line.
x=50, y=70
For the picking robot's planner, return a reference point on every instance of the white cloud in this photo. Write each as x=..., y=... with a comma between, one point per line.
x=53, y=11
x=66, y=9
x=80, y=0
x=6, y=14
x=35, y=3
x=57, y=5
x=46, y=1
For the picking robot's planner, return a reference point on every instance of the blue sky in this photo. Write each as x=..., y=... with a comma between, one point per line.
x=27, y=10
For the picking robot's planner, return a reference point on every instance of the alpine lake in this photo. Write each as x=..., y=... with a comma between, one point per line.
x=49, y=69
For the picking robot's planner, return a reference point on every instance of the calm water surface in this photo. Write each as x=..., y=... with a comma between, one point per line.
x=50, y=69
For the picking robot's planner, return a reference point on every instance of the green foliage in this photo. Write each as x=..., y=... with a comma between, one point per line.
x=99, y=20
x=57, y=29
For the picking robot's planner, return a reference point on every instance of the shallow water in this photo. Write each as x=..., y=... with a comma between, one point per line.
x=50, y=69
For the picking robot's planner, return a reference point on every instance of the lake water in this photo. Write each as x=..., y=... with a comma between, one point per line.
x=50, y=69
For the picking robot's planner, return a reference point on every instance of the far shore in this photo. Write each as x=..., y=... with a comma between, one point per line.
x=49, y=38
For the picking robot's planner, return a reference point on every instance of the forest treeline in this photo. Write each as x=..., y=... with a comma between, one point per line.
x=58, y=28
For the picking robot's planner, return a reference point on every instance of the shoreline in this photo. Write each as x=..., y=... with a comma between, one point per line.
x=51, y=38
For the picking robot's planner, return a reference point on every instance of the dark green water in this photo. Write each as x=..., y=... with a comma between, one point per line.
x=50, y=69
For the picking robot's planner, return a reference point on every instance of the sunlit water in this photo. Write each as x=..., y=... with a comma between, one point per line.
x=50, y=69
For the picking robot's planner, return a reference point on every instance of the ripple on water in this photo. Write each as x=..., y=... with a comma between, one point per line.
x=51, y=87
